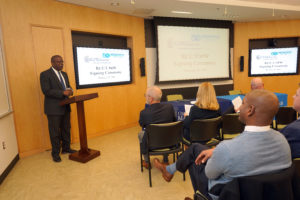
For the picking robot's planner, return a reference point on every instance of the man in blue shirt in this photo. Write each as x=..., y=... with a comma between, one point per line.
x=292, y=131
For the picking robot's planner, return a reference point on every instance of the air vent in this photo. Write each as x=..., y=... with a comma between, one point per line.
x=143, y=11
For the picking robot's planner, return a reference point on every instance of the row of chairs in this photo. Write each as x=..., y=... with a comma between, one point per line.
x=210, y=131
x=176, y=97
x=165, y=139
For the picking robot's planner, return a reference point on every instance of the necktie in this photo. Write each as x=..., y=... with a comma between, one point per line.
x=61, y=81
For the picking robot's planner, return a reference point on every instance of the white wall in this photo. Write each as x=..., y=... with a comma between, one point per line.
x=8, y=140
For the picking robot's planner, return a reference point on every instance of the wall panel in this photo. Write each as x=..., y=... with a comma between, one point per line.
x=259, y=30
x=33, y=30
x=52, y=39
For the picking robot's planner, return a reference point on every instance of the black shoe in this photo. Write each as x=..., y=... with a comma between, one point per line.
x=56, y=159
x=68, y=151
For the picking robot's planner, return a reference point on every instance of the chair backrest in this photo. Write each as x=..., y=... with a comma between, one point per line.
x=272, y=186
x=203, y=130
x=164, y=135
x=285, y=115
x=174, y=97
x=296, y=180
x=231, y=124
x=233, y=92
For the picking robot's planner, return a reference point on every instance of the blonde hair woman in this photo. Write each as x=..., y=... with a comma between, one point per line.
x=206, y=107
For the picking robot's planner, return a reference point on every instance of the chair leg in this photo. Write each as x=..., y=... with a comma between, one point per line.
x=150, y=181
x=141, y=158
x=173, y=157
x=177, y=159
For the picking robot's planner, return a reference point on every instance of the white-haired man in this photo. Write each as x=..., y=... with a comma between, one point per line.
x=155, y=113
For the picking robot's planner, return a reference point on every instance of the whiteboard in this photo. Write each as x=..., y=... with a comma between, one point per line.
x=5, y=106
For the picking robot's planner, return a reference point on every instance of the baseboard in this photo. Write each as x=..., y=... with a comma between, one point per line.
x=9, y=168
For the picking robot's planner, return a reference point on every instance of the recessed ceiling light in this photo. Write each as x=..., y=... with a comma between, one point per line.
x=181, y=12
x=115, y=4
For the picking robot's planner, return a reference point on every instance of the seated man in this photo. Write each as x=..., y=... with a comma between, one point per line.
x=257, y=84
x=292, y=131
x=258, y=150
x=155, y=113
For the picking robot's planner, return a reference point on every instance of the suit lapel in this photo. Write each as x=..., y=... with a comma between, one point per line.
x=54, y=76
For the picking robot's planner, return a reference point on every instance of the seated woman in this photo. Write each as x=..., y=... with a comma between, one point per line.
x=206, y=107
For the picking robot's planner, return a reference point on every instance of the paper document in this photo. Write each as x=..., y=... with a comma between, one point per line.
x=237, y=102
x=187, y=108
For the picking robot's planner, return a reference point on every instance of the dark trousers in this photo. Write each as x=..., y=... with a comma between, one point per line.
x=186, y=161
x=59, y=131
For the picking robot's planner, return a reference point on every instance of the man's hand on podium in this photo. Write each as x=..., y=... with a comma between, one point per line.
x=68, y=92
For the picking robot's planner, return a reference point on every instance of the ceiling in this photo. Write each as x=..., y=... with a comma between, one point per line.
x=233, y=10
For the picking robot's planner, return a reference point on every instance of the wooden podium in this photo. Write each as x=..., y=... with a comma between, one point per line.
x=84, y=154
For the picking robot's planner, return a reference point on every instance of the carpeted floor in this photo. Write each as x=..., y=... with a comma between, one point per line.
x=115, y=175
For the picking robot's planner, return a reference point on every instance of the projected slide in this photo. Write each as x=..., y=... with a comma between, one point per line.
x=274, y=61
x=102, y=66
x=192, y=53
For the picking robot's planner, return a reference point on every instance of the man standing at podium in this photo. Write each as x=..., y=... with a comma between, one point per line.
x=55, y=86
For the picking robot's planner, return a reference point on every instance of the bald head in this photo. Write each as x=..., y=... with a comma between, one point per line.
x=257, y=83
x=259, y=107
x=153, y=95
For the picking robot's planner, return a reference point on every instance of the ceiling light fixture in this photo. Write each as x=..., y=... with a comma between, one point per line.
x=132, y=2
x=181, y=12
x=115, y=4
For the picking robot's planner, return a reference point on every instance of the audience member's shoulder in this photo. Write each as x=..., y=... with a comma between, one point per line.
x=166, y=105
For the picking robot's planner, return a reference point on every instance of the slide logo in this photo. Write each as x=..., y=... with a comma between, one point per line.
x=106, y=55
x=275, y=53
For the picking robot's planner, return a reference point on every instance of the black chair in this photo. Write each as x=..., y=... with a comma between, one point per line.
x=231, y=126
x=296, y=180
x=163, y=139
x=271, y=186
x=174, y=97
x=284, y=116
x=206, y=131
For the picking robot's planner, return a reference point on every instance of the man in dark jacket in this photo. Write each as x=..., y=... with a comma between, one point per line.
x=56, y=87
x=155, y=113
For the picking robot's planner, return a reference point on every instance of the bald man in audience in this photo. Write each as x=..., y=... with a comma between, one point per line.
x=292, y=131
x=155, y=113
x=258, y=150
x=257, y=83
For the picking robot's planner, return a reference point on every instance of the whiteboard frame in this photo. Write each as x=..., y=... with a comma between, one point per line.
x=4, y=74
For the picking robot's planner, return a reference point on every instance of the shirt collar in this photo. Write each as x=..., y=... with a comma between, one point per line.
x=54, y=70
x=257, y=128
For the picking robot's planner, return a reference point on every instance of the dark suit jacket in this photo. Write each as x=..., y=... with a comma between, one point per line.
x=156, y=114
x=53, y=92
x=292, y=134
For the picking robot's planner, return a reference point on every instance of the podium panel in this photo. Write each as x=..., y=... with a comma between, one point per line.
x=84, y=154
